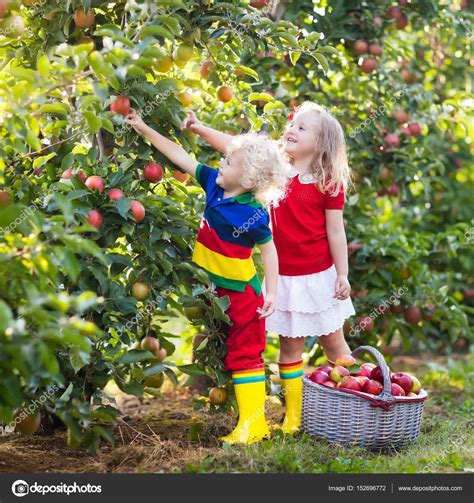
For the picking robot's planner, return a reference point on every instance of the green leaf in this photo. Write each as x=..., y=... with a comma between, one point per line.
x=93, y=121
x=54, y=108
x=260, y=96
x=171, y=3
x=132, y=388
x=248, y=71
x=322, y=61
x=43, y=65
x=154, y=30
x=78, y=358
x=134, y=356
x=192, y=369
x=136, y=71
x=6, y=317
x=329, y=49
x=294, y=57
x=171, y=22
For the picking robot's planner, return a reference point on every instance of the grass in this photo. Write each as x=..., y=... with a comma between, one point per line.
x=445, y=445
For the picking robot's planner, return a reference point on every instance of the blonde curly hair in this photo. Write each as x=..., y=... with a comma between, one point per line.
x=329, y=165
x=265, y=168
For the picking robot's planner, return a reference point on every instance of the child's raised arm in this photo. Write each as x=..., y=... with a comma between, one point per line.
x=174, y=152
x=215, y=138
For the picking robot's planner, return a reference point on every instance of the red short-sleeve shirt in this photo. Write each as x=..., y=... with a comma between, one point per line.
x=299, y=228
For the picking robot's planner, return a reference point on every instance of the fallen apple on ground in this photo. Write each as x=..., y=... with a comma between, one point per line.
x=217, y=396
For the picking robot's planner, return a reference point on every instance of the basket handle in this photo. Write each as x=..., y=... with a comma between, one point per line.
x=387, y=385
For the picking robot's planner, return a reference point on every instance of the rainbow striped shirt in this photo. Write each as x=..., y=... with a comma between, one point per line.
x=230, y=228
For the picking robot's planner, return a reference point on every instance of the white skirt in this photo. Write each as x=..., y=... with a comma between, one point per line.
x=305, y=305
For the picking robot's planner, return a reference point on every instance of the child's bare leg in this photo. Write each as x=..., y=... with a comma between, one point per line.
x=291, y=348
x=334, y=345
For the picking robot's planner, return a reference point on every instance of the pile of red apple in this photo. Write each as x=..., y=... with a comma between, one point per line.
x=367, y=378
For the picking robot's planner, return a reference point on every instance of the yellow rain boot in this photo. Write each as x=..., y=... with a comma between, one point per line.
x=292, y=387
x=249, y=388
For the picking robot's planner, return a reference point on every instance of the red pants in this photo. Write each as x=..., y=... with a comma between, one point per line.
x=246, y=336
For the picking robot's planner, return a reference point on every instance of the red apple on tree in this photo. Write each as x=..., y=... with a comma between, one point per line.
x=185, y=98
x=369, y=65
x=3, y=8
x=138, y=211
x=414, y=128
x=400, y=116
x=394, y=12
x=68, y=173
x=259, y=4
x=95, y=182
x=149, y=343
x=401, y=22
x=224, y=94
x=360, y=47
x=5, y=198
x=366, y=323
x=206, y=68
x=121, y=106
x=392, y=140
x=95, y=219
x=140, y=291
x=115, y=194
x=413, y=315
x=153, y=172
x=375, y=49
x=84, y=19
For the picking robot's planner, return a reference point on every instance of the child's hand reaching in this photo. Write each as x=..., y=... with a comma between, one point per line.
x=343, y=287
x=268, y=306
x=135, y=120
x=191, y=122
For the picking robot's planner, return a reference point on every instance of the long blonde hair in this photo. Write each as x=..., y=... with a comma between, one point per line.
x=329, y=165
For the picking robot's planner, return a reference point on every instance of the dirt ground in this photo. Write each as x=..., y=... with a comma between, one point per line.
x=152, y=436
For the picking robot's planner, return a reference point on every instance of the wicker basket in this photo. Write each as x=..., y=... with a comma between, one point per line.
x=354, y=418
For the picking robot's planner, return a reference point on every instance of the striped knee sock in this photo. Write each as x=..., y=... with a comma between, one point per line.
x=291, y=370
x=248, y=376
